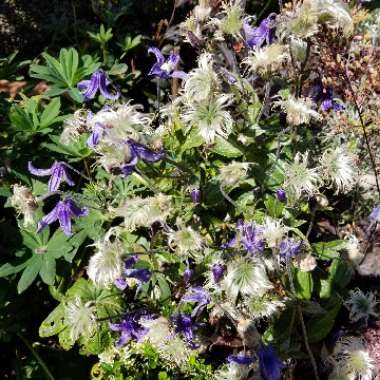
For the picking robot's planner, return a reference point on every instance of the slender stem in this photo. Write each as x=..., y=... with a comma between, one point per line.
x=268, y=86
x=372, y=158
x=313, y=213
x=266, y=6
x=307, y=345
x=226, y=196
x=45, y=369
x=158, y=96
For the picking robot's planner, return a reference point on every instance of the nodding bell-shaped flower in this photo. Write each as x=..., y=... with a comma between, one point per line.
x=99, y=81
x=241, y=359
x=63, y=211
x=57, y=172
x=325, y=95
x=270, y=363
x=263, y=34
x=139, y=151
x=165, y=69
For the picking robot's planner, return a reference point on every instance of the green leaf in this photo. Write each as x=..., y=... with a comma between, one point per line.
x=165, y=292
x=274, y=207
x=47, y=270
x=8, y=269
x=50, y=113
x=225, y=148
x=329, y=250
x=30, y=273
x=303, y=283
x=76, y=95
x=193, y=140
x=320, y=325
x=54, y=323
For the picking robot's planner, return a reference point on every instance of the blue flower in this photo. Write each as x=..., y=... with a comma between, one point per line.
x=257, y=37
x=130, y=328
x=290, y=247
x=63, y=211
x=97, y=133
x=58, y=172
x=184, y=326
x=199, y=295
x=187, y=274
x=139, y=151
x=375, y=214
x=143, y=275
x=98, y=82
x=165, y=69
x=217, y=272
x=270, y=363
x=240, y=359
x=281, y=195
x=195, y=195
x=325, y=96
x=249, y=235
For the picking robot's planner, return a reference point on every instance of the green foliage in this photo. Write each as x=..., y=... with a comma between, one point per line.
x=64, y=73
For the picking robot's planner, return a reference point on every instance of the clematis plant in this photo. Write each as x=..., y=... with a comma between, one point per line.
x=63, y=211
x=165, y=69
x=99, y=82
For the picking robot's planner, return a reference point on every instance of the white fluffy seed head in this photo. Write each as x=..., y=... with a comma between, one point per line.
x=299, y=178
x=263, y=307
x=273, y=231
x=338, y=169
x=80, y=318
x=201, y=82
x=354, y=251
x=185, y=241
x=298, y=111
x=143, y=212
x=267, y=60
x=246, y=276
x=361, y=305
x=210, y=118
x=351, y=356
x=158, y=331
x=106, y=265
x=24, y=202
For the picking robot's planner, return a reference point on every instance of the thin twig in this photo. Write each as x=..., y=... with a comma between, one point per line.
x=372, y=158
x=268, y=86
x=227, y=197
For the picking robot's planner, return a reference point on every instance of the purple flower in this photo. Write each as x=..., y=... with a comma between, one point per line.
x=270, y=363
x=63, y=211
x=217, y=272
x=195, y=195
x=375, y=214
x=198, y=295
x=97, y=133
x=184, y=326
x=131, y=261
x=241, y=359
x=249, y=237
x=139, y=151
x=281, y=195
x=325, y=96
x=57, y=172
x=143, y=275
x=98, y=82
x=165, y=69
x=121, y=283
x=256, y=37
x=130, y=328
x=187, y=274
x=290, y=247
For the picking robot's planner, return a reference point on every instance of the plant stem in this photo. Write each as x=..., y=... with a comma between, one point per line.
x=227, y=197
x=372, y=158
x=45, y=369
x=306, y=340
